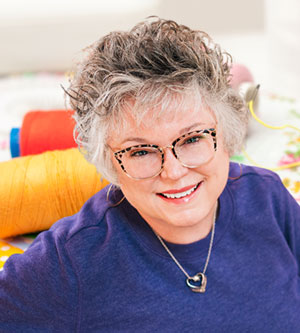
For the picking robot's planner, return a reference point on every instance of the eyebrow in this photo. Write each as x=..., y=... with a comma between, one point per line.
x=181, y=132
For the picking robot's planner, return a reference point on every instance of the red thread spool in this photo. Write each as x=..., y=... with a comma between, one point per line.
x=47, y=130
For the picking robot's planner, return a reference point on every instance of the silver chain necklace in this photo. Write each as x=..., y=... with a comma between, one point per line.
x=197, y=282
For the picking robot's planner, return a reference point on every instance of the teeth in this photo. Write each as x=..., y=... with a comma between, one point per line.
x=179, y=195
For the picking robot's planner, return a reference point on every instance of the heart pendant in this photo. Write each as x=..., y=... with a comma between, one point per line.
x=197, y=283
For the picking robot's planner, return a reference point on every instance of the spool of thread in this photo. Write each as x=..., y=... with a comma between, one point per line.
x=248, y=90
x=242, y=81
x=239, y=74
x=38, y=190
x=45, y=131
x=15, y=142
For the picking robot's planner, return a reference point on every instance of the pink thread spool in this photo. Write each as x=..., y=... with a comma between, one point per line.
x=242, y=80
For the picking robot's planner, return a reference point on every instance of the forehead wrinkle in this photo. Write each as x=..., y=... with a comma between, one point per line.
x=181, y=132
x=135, y=139
x=154, y=116
x=189, y=128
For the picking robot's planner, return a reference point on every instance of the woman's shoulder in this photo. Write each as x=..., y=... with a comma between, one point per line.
x=253, y=174
x=253, y=184
x=95, y=213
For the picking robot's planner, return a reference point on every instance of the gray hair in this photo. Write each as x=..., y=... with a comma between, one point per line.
x=155, y=62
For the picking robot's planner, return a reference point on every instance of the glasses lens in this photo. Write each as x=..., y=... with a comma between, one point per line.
x=195, y=149
x=142, y=162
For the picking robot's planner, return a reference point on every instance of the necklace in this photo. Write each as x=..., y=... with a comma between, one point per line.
x=197, y=282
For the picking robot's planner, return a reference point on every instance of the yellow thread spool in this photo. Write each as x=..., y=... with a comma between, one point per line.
x=38, y=190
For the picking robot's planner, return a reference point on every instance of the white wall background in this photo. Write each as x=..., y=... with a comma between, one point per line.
x=46, y=35
x=282, y=28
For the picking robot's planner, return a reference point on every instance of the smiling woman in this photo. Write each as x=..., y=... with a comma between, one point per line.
x=181, y=239
x=175, y=188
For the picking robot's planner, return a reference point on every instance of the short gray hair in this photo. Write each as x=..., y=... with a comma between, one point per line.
x=151, y=64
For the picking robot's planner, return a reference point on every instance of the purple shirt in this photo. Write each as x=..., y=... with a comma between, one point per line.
x=103, y=269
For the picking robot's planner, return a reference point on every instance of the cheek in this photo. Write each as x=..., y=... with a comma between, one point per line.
x=125, y=183
x=221, y=162
x=129, y=190
x=216, y=173
x=139, y=194
x=222, y=166
x=135, y=190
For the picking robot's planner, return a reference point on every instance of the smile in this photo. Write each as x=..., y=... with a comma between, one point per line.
x=179, y=195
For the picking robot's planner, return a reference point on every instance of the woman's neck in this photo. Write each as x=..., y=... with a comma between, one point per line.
x=184, y=234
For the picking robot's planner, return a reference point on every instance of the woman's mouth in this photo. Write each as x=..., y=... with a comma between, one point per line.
x=184, y=193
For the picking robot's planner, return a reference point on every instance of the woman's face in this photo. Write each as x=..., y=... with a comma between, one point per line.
x=178, y=220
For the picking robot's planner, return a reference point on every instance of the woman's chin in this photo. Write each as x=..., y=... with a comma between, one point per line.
x=190, y=218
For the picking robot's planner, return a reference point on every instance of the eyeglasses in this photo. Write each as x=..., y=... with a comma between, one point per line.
x=146, y=160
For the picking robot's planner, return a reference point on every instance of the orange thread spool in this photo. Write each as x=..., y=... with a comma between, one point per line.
x=38, y=190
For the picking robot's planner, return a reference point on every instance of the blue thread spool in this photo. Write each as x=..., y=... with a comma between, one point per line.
x=15, y=142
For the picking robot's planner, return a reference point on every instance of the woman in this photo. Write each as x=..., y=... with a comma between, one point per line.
x=184, y=240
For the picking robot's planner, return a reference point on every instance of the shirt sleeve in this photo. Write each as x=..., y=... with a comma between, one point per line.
x=39, y=289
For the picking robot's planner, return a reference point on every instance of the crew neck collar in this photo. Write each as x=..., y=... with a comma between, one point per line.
x=148, y=239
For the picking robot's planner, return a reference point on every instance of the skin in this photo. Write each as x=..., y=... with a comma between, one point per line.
x=184, y=220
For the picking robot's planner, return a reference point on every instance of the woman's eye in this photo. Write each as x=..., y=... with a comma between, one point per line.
x=193, y=139
x=139, y=153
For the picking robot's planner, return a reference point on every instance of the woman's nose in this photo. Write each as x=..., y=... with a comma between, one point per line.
x=172, y=168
